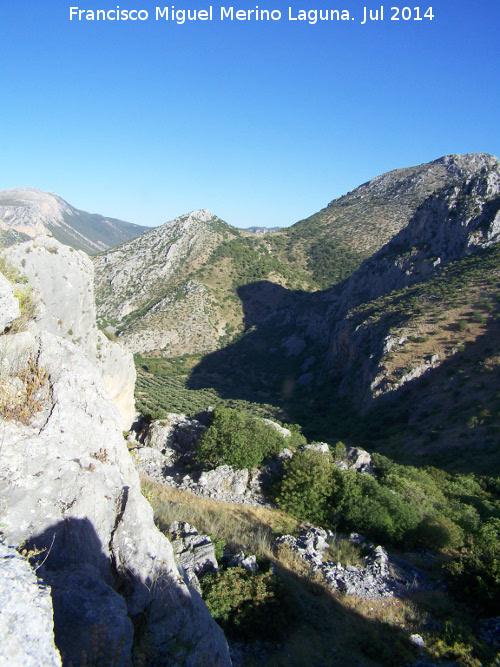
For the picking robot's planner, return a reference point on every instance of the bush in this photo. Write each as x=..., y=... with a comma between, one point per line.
x=361, y=503
x=475, y=575
x=248, y=606
x=306, y=486
x=237, y=439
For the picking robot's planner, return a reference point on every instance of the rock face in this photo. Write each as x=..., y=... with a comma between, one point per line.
x=26, y=625
x=28, y=212
x=9, y=305
x=70, y=493
x=63, y=280
x=195, y=553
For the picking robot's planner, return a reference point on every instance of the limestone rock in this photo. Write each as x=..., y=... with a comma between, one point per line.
x=175, y=436
x=226, y=478
x=64, y=282
x=358, y=458
x=90, y=618
x=248, y=562
x=63, y=279
x=118, y=370
x=320, y=447
x=26, y=624
x=195, y=553
x=68, y=485
x=373, y=580
x=9, y=305
x=285, y=432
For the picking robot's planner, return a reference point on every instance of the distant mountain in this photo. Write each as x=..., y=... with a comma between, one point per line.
x=28, y=212
x=200, y=267
x=149, y=288
x=261, y=230
x=334, y=241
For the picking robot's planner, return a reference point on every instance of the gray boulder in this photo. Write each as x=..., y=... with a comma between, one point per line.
x=225, y=478
x=194, y=553
x=26, y=625
x=248, y=562
x=175, y=436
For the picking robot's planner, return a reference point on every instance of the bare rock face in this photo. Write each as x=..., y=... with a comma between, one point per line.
x=69, y=490
x=63, y=280
x=26, y=625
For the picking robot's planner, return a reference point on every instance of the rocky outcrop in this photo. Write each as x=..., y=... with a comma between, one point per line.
x=195, y=554
x=30, y=212
x=379, y=575
x=26, y=623
x=63, y=280
x=69, y=492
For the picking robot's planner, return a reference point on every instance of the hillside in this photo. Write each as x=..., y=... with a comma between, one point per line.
x=27, y=212
x=334, y=241
x=339, y=360
x=217, y=280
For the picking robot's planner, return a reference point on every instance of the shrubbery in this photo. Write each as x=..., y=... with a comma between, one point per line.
x=401, y=505
x=237, y=439
x=247, y=605
x=306, y=486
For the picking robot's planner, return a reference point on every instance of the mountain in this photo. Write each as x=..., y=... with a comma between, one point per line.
x=28, y=212
x=262, y=230
x=149, y=288
x=420, y=306
x=334, y=241
x=194, y=283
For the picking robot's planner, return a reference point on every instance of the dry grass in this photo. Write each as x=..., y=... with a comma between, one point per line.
x=332, y=629
x=23, y=390
x=241, y=526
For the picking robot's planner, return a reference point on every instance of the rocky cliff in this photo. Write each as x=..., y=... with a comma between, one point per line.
x=63, y=283
x=70, y=500
x=28, y=212
x=455, y=222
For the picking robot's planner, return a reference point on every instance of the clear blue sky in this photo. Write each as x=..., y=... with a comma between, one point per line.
x=261, y=122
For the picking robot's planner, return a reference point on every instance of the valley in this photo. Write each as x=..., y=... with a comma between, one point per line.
x=368, y=333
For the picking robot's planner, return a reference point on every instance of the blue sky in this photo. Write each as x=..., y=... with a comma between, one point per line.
x=261, y=122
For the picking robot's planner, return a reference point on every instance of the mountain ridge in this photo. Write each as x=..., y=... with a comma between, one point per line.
x=29, y=212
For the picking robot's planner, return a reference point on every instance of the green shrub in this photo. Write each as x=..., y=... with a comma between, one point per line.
x=475, y=575
x=361, y=503
x=248, y=606
x=237, y=439
x=306, y=486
